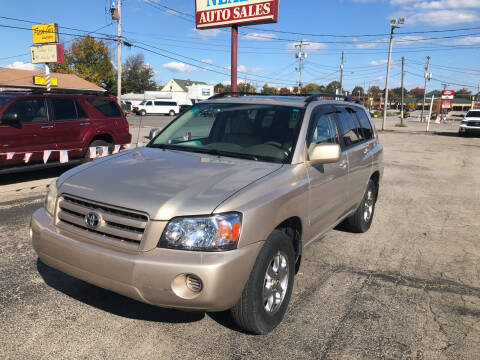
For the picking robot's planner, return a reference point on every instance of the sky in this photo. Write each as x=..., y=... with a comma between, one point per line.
x=165, y=29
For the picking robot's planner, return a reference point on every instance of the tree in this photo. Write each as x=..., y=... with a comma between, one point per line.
x=463, y=93
x=285, y=91
x=137, y=76
x=221, y=88
x=332, y=87
x=269, y=90
x=375, y=92
x=90, y=60
x=309, y=88
x=358, y=90
x=417, y=92
x=246, y=87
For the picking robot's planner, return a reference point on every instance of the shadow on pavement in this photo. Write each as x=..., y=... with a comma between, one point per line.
x=111, y=302
x=32, y=175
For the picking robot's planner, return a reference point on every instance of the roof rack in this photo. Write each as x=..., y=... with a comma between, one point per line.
x=43, y=90
x=315, y=97
x=308, y=97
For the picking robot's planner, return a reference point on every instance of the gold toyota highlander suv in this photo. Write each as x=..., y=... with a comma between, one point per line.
x=215, y=212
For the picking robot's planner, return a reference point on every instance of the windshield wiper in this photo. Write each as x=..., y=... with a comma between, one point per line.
x=214, y=152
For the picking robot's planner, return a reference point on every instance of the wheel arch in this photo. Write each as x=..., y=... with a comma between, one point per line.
x=292, y=227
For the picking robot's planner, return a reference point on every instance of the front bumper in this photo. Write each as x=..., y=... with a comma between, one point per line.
x=153, y=277
x=468, y=128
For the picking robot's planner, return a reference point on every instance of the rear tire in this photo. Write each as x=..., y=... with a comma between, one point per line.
x=98, y=144
x=171, y=113
x=361, y=220
x=266, y=295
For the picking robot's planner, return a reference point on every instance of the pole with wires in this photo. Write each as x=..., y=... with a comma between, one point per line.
x=341, y=74
x=116, y=12
x=403, y=92
x=300, y=55
x=394, y=24
x=428, y=76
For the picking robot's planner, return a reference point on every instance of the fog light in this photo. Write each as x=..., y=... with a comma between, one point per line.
x=194, y=283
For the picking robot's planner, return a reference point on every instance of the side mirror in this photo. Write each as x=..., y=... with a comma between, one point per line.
x=154, y=132
x=9, y=118
x=325, y=154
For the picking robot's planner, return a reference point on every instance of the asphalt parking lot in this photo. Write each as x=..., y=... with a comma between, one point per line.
x=407, y=289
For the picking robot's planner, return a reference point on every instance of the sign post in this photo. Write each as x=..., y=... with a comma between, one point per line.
x=47, y=51
x=212, y=14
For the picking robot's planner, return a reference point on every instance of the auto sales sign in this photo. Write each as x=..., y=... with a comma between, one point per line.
x=222, y=13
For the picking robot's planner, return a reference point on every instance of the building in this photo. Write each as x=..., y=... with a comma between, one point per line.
x=196, y=90
x=21, y=79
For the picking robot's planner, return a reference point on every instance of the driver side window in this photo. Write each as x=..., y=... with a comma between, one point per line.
x=324, y=129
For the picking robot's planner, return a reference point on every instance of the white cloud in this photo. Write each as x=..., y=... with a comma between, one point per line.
x=259, y=37
x=26, y=66
x=179, y=67
x=258, y=70
x=369, y=44
x=207, y=61
x=447, y=4
x=443, y=17
x=469, y=40
x=378, y=62
x=242, y=68
x=207, y=34
x=308, y=46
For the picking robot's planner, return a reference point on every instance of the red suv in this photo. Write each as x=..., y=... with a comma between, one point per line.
x=31, y=122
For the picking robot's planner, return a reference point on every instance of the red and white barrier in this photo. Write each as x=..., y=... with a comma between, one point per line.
x=64, y=158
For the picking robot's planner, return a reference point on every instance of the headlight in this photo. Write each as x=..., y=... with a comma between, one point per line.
x=51, y=198
x=211, y=233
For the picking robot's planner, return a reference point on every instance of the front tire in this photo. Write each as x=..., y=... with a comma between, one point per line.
x=265, y=298
x=143, y=113
x=361, y=220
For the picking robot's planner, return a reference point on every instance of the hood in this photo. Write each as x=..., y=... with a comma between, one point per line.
x=163, y=183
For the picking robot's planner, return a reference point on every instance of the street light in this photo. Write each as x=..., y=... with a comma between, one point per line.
x=394, y=24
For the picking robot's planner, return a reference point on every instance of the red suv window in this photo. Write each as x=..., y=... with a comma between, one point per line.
x=106, y=107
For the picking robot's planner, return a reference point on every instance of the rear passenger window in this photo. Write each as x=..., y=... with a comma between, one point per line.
x=365, y=124
x=80, y=111
x=350, y=130
x=29, y=110
x=63, y=109
x=106, y=107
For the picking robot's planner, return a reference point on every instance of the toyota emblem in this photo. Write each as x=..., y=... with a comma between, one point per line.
x=92, y=219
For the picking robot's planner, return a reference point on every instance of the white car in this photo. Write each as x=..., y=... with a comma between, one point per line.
x=470, y=124
x=148, y=107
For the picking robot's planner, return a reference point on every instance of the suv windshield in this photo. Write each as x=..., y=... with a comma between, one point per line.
x=256, y=132
x=475, y=114
x=3, y=100
x=142, y=103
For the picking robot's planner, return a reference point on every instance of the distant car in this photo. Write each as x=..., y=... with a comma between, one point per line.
x=35, y=122
x=127, y=106
x=150, y=107
x=470, y=124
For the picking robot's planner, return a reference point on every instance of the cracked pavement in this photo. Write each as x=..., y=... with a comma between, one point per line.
x=407, y=289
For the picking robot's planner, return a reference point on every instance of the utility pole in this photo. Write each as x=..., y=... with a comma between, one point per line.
x=116, y=12
x=341, y=74
x=394, y=24
x=300, y=55
x=428, y=76
x=403, y=90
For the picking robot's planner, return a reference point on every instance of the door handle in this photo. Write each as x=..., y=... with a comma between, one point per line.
x=47, y=127
x=84, y=124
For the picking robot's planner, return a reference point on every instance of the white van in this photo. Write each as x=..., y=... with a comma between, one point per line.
x=148, y=107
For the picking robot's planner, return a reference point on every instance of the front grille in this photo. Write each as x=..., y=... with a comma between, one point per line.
x=474, y=123
x=115, y=224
